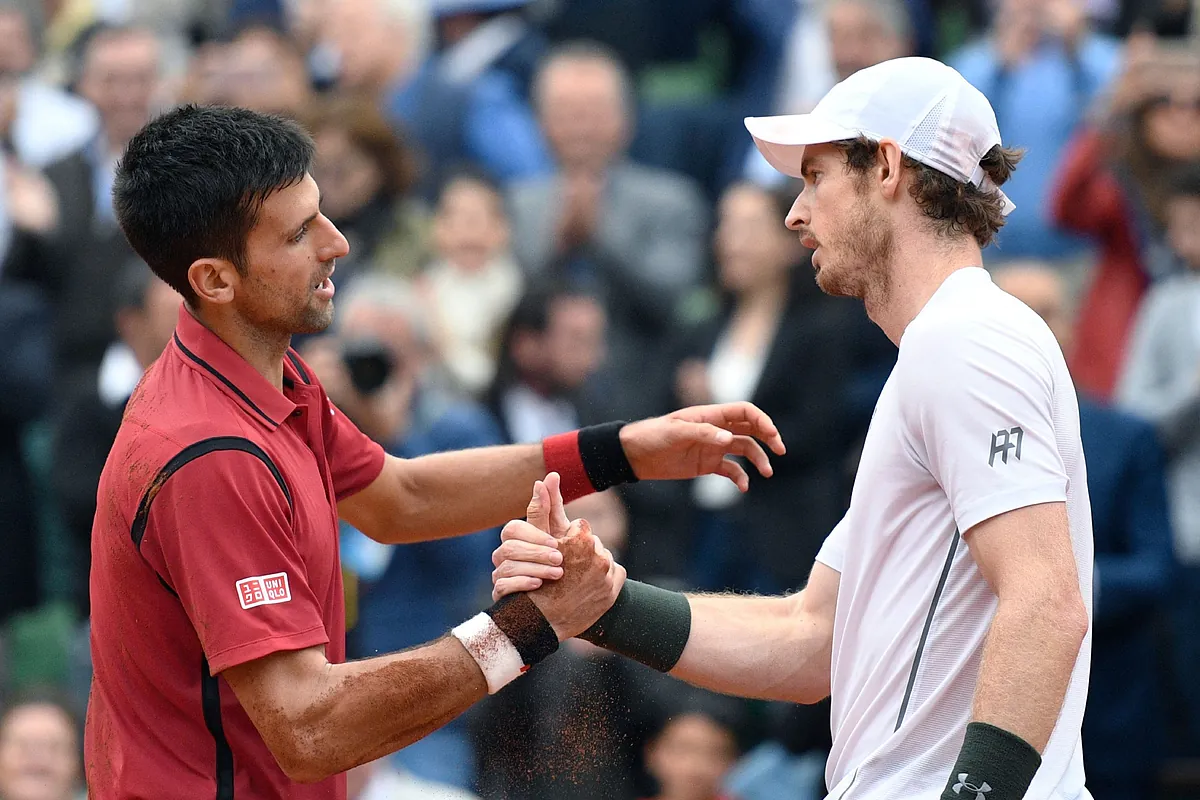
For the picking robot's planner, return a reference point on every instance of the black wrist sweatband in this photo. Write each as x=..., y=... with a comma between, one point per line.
x=992, y=763
x=648, y=624
x=603, y=457
x=525, y=626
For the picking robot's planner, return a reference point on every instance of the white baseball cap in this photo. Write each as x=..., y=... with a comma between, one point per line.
x=935, y=115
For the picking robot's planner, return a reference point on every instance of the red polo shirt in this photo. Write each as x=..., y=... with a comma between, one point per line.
x=215, y=543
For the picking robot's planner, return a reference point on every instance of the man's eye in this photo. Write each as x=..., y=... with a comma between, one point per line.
x=300, y=236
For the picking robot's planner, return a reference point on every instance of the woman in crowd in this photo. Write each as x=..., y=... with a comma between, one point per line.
x=367, y=174
x=1112, y=187
x=777, y=341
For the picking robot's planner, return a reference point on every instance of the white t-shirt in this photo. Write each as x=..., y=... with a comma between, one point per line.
x=979, y=417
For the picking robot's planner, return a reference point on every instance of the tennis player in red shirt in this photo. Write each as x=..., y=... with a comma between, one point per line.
x=217, y=610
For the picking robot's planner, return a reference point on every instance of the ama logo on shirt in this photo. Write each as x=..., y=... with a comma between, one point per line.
x=264, y=590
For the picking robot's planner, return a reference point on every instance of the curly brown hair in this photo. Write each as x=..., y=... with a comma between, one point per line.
x=956, y=208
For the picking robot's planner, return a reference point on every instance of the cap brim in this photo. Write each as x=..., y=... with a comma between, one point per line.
x=782, y=140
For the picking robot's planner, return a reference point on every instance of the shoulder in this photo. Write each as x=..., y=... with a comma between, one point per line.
x=1171, y=295
x=976, y=320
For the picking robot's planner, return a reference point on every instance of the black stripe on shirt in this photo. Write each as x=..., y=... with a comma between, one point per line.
x=937, y=596
x=210, y=700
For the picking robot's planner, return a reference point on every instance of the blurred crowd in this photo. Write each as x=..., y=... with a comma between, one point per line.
x=556, y=218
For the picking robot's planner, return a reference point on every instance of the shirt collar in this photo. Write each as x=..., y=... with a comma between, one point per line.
x=212, y=357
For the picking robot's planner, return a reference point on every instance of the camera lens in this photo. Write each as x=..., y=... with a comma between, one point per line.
x=369, y=363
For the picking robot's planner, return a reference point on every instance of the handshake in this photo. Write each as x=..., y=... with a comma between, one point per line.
x=567, y=572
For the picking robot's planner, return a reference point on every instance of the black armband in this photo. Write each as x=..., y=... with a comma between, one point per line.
x=648, y=624
x=992, y=763
x=603, y=457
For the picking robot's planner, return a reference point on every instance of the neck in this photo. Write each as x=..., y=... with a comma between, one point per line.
x=261, y=349
x=916, y=273
x=763, y=299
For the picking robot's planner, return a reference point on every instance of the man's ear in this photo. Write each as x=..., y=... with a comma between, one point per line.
x=214, y=280
x=890, y=159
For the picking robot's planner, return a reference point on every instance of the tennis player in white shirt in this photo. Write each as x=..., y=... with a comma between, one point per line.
x=948, y=613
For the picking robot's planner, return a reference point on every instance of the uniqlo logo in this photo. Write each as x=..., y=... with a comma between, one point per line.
x=264, y=590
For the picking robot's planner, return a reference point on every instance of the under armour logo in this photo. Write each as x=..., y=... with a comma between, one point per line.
x=980, y=791
x=1002, y=442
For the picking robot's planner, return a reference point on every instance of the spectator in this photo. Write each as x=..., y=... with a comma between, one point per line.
x=266, y=73
x=1041, y=68
x=842, y=38
x=383, y=373
x=1161, y=382
x=119, y=75
x=551, y=346
x=474, y=283
x=774, y=324
x=146, y=312
x=376, y=45
x=633, y=234
x=41, y=123
x=693, y=751
x=39, y=751
x=25, y=365
x=1111, y=187
x=368, y=177
x=1133, y=571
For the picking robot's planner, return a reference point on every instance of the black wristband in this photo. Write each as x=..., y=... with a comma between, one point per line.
x=646, y=623
x=993, y=764
x=603, y=456
x=525, y=626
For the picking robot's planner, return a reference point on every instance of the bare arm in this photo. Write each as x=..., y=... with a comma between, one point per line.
x=1040, y=622
x=772, y=648
x=450, y=494
x=445, y=494
x=319, y=719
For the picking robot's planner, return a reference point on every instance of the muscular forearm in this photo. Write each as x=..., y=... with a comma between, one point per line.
x=450, y=494
x=761, y=647
x=360, y=711
x=1027, y=663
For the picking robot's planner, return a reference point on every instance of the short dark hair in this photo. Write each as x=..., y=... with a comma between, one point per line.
x=192, y=183
x=955, y=207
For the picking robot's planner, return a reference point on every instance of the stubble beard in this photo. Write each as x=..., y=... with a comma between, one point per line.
x=864, y=248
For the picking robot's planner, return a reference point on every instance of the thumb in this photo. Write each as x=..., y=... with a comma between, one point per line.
x=538, y=512
x=558, y=512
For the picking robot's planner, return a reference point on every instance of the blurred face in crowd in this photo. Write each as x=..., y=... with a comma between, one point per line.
x=583, y=112
x=120, y=77
x=1039, y=287
x=568, y=352
x=1183, y=228
x=207, y=80
x=372, y=45
x=574, y=340
x=17, y=54
x=349, y=177
x=839, y=219
x=690, y=758
x=753, y=248
x=266, y=74
x=39, y=754
x=859, y=38
x=148, y=329
x=1172, y=122
x=470, y=227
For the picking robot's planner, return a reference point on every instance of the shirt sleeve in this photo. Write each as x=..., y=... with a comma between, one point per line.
x=833, y=549
x=219, y=533
x=978, y=405
x=355, y=460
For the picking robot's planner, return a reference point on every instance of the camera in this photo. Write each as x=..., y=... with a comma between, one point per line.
x=369, y=363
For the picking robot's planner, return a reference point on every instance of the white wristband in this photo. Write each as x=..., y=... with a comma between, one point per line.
x=492, y=650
